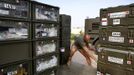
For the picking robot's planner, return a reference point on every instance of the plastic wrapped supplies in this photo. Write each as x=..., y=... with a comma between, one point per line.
x=42, y=64
x=45, y=30
x=21, y=69
x=18, y=9
x=43, y=48
x=43, y=14
x=10, y=30
x=17, y=34
x=52, y=32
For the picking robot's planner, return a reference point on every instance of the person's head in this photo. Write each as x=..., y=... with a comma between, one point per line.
x=87, y=37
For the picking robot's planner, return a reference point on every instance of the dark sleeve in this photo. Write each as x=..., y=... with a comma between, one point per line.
x=95, y=40
x=80, y=42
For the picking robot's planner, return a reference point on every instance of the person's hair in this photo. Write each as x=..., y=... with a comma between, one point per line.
x=87, y=43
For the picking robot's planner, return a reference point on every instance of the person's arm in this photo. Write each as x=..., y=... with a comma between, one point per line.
x=90, y=53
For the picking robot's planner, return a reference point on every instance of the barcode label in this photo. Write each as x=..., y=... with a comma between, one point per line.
x=118, y=14
x=116, y=21
x=116, y=39
x=115, y=60
x=104, y=22
x=116, y=33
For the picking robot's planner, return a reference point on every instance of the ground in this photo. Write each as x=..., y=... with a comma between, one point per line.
x=78, y=66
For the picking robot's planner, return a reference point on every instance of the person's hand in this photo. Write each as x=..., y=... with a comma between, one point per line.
x=92, y=48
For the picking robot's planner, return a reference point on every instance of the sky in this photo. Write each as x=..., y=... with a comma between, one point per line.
x=79, y=10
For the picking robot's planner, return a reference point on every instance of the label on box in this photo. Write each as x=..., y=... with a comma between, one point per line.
x=62, y=49
x=9, y=6
x=12, y=30
x=129, y=62
x=104, y=22
x=131, y=41
x=116, y=33
x=115, y=60
x=4, y=12
x=118, y=14
x=116, y=21
x=44, y=34
x=116, y=39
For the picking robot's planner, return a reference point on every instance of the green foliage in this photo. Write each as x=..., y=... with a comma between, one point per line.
x=73, y=36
